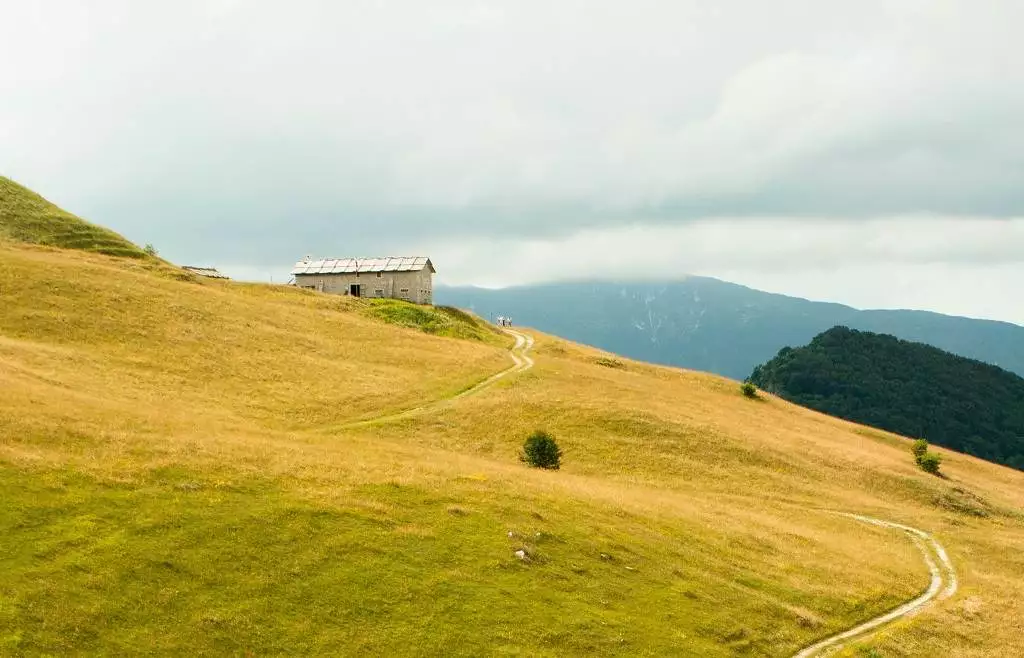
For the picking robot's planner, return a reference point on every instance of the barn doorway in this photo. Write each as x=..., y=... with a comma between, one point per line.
x=354, y=290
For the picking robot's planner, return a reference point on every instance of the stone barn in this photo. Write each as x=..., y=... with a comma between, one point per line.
x=408, y=278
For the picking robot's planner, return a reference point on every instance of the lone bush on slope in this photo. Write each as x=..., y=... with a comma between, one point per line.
x=928, y=461
x=542, y=451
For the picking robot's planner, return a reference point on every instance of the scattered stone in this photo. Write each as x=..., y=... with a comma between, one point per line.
x=972, y=607
x=521, y=554
x=808, y=619
x=605, y=556
x=511, y=534
x=630, y=569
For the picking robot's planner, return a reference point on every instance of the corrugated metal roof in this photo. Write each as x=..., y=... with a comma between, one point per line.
x=211, y=272
x=349, y=265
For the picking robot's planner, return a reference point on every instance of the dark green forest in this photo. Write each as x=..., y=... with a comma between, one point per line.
x=909, y=388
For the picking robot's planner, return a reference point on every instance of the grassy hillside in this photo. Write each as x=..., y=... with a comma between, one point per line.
x=180, y=476
x=436, y=320
x=904, y=387
x=27, y=217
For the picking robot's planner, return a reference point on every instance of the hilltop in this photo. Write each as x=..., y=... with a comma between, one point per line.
x=716, y=326
x=209, y=467
x=904, y=387
x=27, y=217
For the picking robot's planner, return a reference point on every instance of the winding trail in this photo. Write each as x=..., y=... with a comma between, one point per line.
x=943, y=585
x=521, y=362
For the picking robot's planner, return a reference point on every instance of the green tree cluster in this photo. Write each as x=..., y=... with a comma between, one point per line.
x=928, y=461
x=908, y=388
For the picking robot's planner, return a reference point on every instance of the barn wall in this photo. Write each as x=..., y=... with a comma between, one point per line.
x=413, y=286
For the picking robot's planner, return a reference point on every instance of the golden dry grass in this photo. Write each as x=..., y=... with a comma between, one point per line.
x=179, y=483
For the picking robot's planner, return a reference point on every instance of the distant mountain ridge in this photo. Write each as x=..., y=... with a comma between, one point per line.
x=909, y=388
x=707, y=324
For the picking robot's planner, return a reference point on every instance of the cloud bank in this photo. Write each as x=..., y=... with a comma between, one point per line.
x=253, y=132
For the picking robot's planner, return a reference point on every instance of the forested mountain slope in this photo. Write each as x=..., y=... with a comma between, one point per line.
x=904, y=387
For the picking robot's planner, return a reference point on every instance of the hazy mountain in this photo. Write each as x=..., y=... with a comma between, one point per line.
x=909, y=388
x=712, y=325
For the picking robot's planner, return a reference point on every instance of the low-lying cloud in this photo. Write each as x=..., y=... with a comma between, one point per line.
x=254, y=132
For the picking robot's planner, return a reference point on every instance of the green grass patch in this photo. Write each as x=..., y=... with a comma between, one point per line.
x=186, y=562
x=27, y=217
x=436, y=320
x=962, y=501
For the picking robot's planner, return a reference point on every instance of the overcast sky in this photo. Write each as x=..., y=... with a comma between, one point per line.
x=867, y=152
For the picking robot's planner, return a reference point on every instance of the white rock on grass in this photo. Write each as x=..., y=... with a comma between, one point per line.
x=521, y=554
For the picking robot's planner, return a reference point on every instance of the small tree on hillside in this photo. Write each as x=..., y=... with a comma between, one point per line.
x=542, y=451
x=150, y=249
x=749, y=390
x=930, y=462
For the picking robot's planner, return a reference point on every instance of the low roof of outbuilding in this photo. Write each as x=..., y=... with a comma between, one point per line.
x=211, y=272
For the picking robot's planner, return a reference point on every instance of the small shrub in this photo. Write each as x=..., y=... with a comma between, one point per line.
x=541, y=450
x=610, y=363
x=930, y=462
x=150, y=250
x=749, y=390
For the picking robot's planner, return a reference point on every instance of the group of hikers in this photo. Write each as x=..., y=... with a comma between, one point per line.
x=504, y=322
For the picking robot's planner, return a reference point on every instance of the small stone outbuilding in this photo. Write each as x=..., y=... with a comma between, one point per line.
x=408, y=278
x=208, y=272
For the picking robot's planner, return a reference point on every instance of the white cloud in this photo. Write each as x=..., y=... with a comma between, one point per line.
x=450, y=105
x=966, y=267
x=252, y=132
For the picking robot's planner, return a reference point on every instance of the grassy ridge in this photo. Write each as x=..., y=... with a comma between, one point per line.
x=435, y=320
x=27, y=217
x=170, y=487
